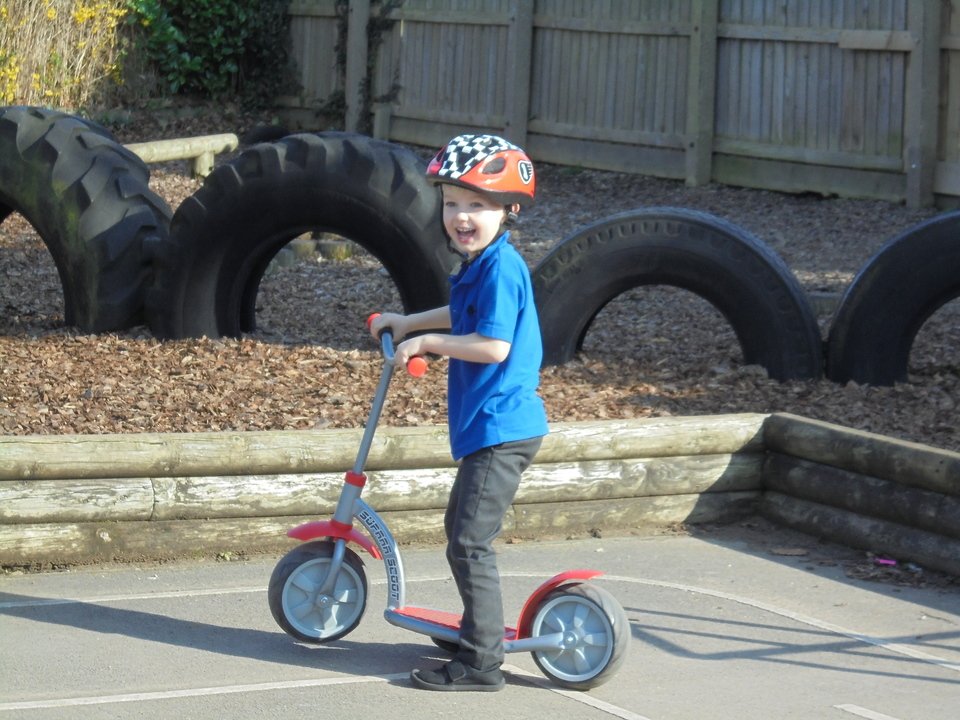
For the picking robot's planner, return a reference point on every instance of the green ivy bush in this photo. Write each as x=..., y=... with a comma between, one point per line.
x=216, y=48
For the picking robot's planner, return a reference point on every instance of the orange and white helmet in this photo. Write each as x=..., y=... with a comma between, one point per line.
x=487, y=164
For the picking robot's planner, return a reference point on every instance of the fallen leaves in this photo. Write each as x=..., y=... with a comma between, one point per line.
x=311, y=363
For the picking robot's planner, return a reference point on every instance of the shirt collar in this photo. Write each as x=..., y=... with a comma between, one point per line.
x=479, y=260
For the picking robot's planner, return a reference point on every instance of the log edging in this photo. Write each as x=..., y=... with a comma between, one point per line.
x=81, y=498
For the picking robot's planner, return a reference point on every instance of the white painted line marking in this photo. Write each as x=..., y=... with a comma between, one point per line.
x=104, y=599
x=863, y=712
x=803, y=619
x=196, y=692
x=580, y=697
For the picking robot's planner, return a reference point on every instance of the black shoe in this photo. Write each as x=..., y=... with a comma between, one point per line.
x=455, y=676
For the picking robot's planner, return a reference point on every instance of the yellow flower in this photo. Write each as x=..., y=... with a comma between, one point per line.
x=51, y=13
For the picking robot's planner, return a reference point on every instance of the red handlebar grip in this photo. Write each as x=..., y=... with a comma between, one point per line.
x=417, y=366
x=370, y=319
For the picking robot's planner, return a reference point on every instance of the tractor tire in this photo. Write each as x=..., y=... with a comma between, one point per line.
x=225, y=235
x=734, y=271
x=88, y=199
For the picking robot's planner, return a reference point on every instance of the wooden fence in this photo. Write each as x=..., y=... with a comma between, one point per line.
x=832, y=96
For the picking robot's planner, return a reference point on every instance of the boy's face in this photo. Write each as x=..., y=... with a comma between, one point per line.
x=472, y=219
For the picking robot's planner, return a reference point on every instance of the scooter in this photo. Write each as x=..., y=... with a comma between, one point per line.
x=576, y=632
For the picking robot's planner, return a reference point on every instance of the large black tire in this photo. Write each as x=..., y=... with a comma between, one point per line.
x=743, y=278
x=225, y=235
x=893, y=295
x=88, y=199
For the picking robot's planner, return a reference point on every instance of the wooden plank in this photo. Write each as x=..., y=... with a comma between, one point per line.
x=519, y=66
x=863, y=494
x=946, y=179
x=312, y=8
x=602, y=134
x=611, y=26
x=447, y=17
x=812, y=156
x=310, y=451
x=85, y=542
x=606, y=515
x=889, y=40
x=930, y=550
x=802, y=177
x=47, y=501
x=185, y=498
x=358, y=18
x=658, y=162
x=922, y=98
x=865, y=453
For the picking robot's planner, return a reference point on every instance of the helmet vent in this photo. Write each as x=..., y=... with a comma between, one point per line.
x=494, y=167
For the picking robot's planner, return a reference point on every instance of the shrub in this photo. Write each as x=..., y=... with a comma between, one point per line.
x=215, y=48
x=59, y=53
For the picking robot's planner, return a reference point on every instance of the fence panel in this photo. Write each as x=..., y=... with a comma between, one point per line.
x=808, y=85
x=947, y=177
x=609, y=84
x=447, y=62
x=314, y=39
x=834, y=96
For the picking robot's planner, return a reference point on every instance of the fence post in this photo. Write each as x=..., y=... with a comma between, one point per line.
x=701, y=91
x=519, y=62
x=356, y=70
x=922, y=98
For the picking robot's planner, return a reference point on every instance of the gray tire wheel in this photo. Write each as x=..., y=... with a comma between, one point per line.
x=298, y=606
x=594, y=633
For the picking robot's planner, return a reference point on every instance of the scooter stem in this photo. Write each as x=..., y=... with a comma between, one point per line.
x=386, y=342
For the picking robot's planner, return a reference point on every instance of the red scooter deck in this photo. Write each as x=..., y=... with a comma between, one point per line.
x=444, y=619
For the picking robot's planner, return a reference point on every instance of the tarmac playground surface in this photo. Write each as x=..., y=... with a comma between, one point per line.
x=744, y=622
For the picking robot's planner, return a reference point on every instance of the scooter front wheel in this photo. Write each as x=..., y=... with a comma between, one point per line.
x=592, y=631
x=303, y=606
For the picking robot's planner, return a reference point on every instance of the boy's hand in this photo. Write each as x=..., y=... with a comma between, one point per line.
x=407, y=350
x=393, y=321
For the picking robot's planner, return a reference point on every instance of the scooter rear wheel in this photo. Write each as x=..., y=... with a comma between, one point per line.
x=594, y=634
x=295, y=599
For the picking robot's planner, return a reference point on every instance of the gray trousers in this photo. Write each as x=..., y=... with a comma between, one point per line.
x=485, y=485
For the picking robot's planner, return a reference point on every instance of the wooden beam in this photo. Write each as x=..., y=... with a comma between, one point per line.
x=863, y=494
x=356, y=70
x=519, y=65
x=701, y=92
x=85, y=542
x=76, y=457
x=922, y=95
x=219, y=496
x=865, y=453
x=928, y=549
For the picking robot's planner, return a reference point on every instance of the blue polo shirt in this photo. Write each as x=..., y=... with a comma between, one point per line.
x=493, y=403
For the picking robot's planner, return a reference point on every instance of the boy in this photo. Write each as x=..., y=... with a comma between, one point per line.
x=495, y=416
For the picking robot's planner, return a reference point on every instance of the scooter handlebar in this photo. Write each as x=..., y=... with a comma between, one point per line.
x=416, y=366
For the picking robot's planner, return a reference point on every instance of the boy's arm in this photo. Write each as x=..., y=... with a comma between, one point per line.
x=403, y=325
x=472, y=348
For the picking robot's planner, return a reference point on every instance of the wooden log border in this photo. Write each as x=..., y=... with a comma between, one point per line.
x=865, y=490
x=119, y=497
